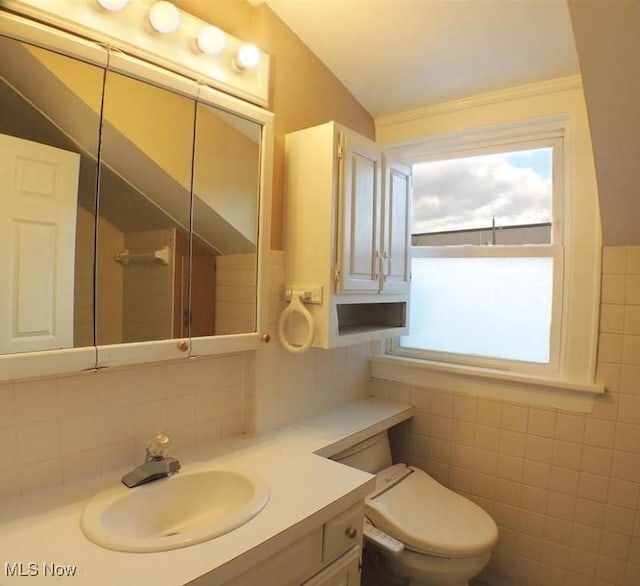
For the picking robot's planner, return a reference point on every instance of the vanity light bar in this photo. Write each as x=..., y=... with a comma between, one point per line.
x=164, y=17
x=114, y=5
x=211, y=40
x=159, y=32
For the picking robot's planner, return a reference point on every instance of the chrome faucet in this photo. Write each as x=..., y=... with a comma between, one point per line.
x=156, y=463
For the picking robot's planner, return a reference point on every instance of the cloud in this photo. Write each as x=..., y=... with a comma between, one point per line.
x=468, y=192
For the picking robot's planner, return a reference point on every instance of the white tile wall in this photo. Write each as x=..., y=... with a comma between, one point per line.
x=235, y=310
x=289, y=387
x=69, y=427
x=563, y=487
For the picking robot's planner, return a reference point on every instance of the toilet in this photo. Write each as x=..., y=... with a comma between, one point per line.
x=423, y=533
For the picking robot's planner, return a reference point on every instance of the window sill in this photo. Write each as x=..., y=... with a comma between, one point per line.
x=488, y=383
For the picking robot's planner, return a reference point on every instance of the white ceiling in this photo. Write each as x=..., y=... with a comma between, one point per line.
x=398, y=55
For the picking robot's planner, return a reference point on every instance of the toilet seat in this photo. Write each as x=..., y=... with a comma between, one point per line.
x=428, y=517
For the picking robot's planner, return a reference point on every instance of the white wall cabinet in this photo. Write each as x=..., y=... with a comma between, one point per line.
x=347, y=214
x=374, y=198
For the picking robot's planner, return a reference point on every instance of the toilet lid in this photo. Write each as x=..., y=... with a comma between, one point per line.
x=429, y=518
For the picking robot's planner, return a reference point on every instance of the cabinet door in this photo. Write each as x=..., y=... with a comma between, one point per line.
x=360, y=208
x=290, y=566
x=345, y=571
x=396, y=229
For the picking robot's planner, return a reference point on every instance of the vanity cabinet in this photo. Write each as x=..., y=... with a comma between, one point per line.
x=347, y=215
x=328, y=555
x=343, y=572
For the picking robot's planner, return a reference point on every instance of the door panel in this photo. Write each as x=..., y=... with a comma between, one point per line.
x=396, y=228
x=360, y=215
x=38, y=200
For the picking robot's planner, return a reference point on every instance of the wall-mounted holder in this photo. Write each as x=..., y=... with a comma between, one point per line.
x=310, y=295
x=161, y=256
x=297, y=297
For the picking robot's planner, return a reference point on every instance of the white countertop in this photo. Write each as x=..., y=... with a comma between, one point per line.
x=306, y=490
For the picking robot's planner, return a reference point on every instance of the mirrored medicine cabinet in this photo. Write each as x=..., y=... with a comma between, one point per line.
x=134, y=205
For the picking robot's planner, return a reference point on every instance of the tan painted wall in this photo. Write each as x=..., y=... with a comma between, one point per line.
x=607, y=36
x=226, y=175
x=303, y=91
x=83, y=301
x=110, y=284
x=157, y=122
x=147, y=304
x=109, y=311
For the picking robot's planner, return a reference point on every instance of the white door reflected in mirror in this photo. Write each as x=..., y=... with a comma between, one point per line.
x=39, y=194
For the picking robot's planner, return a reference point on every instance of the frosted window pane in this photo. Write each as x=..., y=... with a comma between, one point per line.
x=491, y=307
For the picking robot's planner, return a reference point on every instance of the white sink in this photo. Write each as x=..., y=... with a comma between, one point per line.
x=173, y=512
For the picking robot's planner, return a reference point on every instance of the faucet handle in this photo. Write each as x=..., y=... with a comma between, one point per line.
x=158, y=445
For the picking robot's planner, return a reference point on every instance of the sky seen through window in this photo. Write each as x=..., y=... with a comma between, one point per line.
x=468, y=192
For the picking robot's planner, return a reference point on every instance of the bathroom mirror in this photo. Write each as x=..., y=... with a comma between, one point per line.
x=49, y=128
x=157, y=249
x=226, y=179
x=144, y=212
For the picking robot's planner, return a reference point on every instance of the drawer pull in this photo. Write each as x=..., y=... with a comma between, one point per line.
x=351, y=532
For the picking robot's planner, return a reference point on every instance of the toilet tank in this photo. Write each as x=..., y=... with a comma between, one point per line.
x=370, y=455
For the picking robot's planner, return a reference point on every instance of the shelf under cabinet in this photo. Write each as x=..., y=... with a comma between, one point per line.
x=373, y=319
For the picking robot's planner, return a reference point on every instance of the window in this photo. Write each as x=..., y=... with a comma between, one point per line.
x=484, y=252
x=560, y=372
x=488, y=250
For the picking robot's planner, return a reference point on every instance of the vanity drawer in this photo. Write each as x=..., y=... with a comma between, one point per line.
x=342, y=532
x=290, y=566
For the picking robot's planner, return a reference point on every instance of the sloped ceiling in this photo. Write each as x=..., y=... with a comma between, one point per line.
x=607, y=36
x=398, y=55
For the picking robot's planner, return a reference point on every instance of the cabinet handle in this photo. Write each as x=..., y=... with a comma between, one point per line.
x=386, y=257
x=183, y=346
x=378, y=265
x=351, y=532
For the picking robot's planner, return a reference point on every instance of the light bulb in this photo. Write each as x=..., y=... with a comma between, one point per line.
x=211, y=40
x=113, y=5
x=248, y=57
x=164, y=17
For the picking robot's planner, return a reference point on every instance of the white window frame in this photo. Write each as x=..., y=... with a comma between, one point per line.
x=550, y=132
x=574, y=355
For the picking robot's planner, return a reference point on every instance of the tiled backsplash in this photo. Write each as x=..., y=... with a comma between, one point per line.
x=563, y=487
x=58, y=429
x=235, y=293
